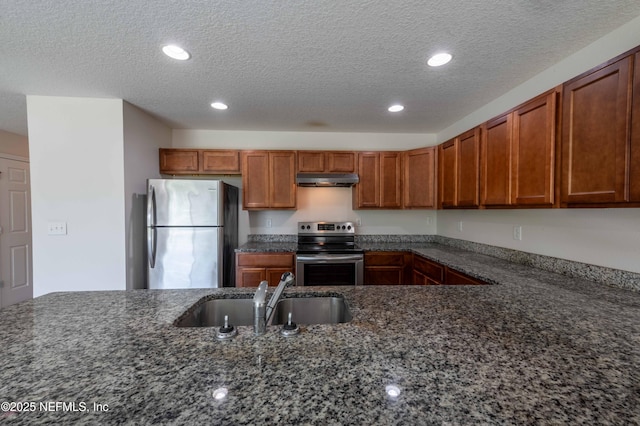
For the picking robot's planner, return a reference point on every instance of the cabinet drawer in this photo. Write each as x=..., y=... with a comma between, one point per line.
x=384, y=258
x=265, y=260
x=428, y=268
x=455, y=277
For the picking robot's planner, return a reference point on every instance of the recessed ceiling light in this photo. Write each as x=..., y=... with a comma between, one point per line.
x=176, y=52
x=439, y=59
x=219, y=105
x=396, y=108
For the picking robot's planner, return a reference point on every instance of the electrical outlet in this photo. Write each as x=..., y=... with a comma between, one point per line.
x=517, y=233
x=359, y=222
x=460, y=226
x=428, y=220
x=269, y=223
x=57, y=228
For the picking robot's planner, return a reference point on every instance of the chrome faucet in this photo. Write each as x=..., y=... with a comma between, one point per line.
x=262, y=311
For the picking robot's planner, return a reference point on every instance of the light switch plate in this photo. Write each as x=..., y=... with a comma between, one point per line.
x=57, y=228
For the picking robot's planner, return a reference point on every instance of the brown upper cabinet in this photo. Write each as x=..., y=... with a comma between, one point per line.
x=518, y=155
x=596, y=135
x=459, y=167
x=380, y=183
x=199, y=161
x=268, y=180
x=326, y=161
x=634, y=163
x=419, y=186
x=495, y=159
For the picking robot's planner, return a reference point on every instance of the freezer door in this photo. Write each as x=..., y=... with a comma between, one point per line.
x=178, y=202
x=185, y=258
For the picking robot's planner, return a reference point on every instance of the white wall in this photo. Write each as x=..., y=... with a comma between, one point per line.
x=605, y=237
x=318, y=203
x=143, y=135
x=77, y=177
x=334, y=204
x=230, y=139
x=14, y=144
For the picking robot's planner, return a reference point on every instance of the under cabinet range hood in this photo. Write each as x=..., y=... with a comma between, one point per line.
x=327, y=179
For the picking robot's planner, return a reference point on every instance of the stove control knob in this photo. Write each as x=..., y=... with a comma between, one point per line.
x=349, y=227
x=308, y=226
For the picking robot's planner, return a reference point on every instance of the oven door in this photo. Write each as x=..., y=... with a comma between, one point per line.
x=329, y=269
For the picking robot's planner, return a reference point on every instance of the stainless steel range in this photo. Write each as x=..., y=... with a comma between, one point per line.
x=327, y=254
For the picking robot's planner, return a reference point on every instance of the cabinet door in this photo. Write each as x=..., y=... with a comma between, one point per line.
x=311, y=161
x=468, y=168
x=534, y=141
x=255, y=179
x=387, y=268
x=420, y=279
x=282, y=179
x=634, y=163
x=432, y=270
x=273, y=275
x=448, y=160
x=496, y=161
x=179, y=161
x=419, y=178
x=390, y=180
x=250, y=277
x=367, y=192
x=221, y=161
x=595, y=135
x=341, y=162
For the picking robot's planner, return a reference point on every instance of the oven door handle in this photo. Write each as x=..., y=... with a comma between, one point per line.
x=326, y=258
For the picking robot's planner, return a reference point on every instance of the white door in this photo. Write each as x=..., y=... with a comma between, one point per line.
x=15, y=232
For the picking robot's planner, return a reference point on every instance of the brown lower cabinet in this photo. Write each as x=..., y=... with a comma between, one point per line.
x=400, y=267
x=387, y=268
x=428, y=272
x=252, y=268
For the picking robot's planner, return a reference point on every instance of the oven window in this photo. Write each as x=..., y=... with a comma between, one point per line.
x=330, y=274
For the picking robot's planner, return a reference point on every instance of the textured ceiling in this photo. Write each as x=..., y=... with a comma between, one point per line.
x=290, y=64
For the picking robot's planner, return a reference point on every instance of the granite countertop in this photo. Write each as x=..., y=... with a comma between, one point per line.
x=535, y=348
x=267, y=247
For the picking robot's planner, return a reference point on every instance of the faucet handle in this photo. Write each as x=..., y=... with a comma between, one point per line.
x=261, y=293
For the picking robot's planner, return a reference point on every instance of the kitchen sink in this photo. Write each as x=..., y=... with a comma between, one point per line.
x=312, y=310
x=304, y=310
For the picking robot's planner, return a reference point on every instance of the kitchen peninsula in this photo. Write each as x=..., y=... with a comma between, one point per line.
x=534, y=347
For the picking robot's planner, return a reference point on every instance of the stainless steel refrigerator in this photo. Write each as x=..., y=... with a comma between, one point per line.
x=192, y=232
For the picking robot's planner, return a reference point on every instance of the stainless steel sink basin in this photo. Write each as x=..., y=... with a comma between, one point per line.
x=312, y=310
x=210, y=313
x=304, y=310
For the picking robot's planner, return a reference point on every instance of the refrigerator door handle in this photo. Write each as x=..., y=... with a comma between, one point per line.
x=151, y=230
x=151, y=207
x=152, y=247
